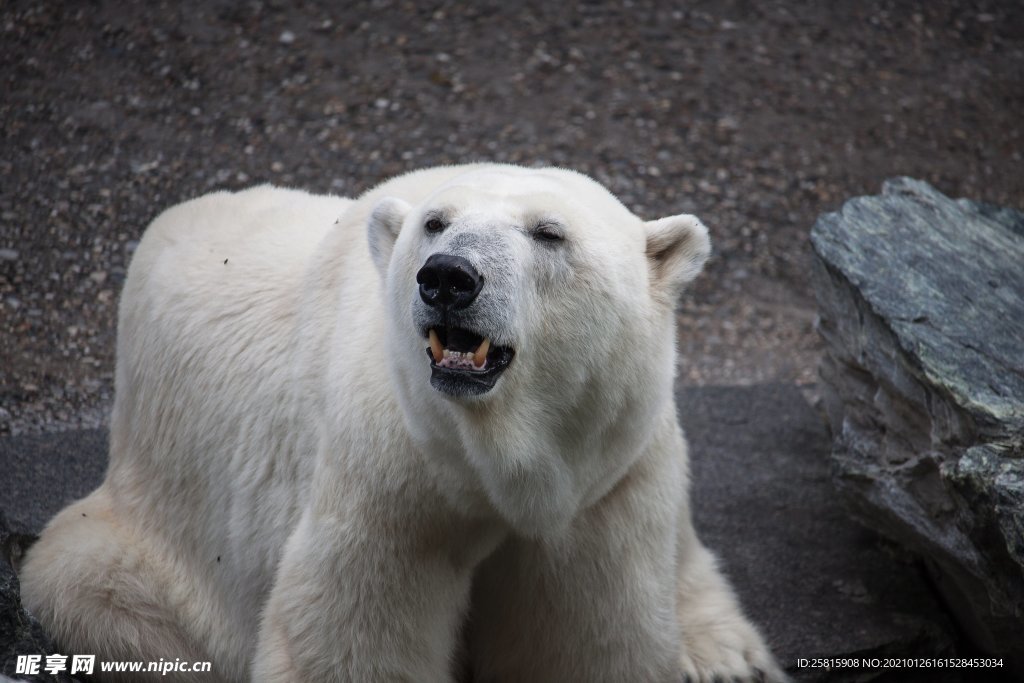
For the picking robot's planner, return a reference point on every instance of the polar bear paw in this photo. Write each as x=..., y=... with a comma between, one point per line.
x=733, y=653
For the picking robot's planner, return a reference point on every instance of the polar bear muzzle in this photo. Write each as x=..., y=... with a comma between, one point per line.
x=462, y=362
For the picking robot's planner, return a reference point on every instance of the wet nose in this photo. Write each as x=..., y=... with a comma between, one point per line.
x=448, y=281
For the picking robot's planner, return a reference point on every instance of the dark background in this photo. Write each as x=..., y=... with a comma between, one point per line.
x=757, y=116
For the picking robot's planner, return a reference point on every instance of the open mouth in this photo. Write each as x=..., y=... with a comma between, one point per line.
x=464, y=363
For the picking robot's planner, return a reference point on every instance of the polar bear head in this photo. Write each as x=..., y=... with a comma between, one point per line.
x=530, y=314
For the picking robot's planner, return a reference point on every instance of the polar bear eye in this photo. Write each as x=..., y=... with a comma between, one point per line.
x=547, y=233
x=434, y=225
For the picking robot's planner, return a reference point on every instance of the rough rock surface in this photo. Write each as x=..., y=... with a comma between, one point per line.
x=921, y=300
x=817, y=583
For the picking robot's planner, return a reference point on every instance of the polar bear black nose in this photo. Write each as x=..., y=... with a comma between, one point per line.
x=448, y=281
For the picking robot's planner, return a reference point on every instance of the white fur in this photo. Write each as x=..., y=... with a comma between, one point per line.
x=289, y=498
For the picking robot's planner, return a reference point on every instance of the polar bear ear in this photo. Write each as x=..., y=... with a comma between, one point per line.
x=383, y=227
x=677, y=247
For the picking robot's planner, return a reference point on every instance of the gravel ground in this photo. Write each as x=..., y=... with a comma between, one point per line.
x=755, y=116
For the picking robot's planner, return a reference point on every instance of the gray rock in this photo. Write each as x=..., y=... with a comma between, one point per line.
x=921, y=302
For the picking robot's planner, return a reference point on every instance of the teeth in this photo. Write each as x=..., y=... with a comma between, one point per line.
x=480, y=357
x=449, y=358
x=435, y=347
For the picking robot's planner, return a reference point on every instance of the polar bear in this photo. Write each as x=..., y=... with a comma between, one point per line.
x=424, y=435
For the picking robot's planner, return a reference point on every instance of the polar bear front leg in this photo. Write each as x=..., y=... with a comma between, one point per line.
x=363, y=600
x=718, y=642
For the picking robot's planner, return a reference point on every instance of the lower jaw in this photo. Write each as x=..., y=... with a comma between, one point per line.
x=461, y=384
